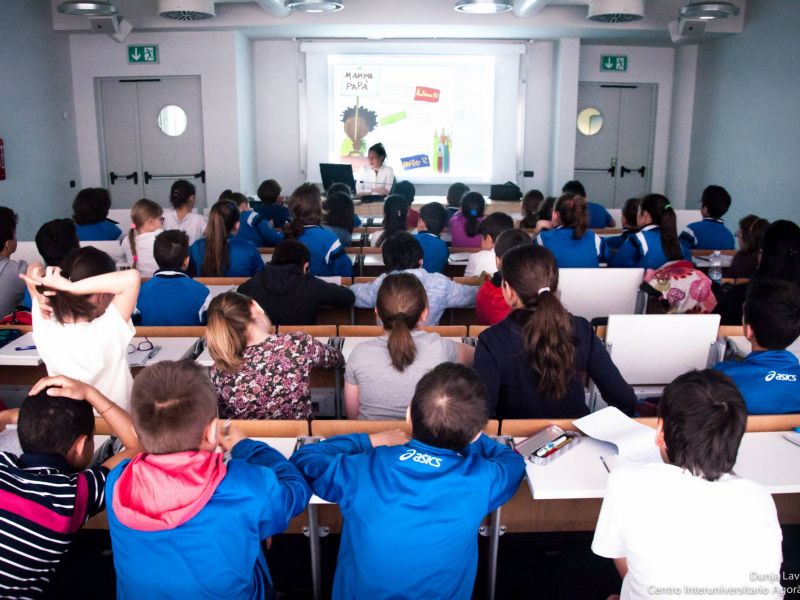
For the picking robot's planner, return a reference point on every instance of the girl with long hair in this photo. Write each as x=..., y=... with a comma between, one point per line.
x=340, y=217
x=382, y=373
x=535, y=362
x=570, y=240
x=751, y=237
x=146, y=223
x=656, y=242
x=464, y=224
x=395, y=216
x=328, y=257
x=220, y=254
x=529, y=207
x=257, y=373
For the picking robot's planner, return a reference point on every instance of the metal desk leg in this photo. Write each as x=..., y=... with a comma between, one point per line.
x=493, y=531
x=314, y=532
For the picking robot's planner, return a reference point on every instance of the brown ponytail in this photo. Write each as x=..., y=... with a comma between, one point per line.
x=305, y=206
x=573, y=211
x=531, y=271
x=472, y=207
x=143, y=210
x=222, y=219
x=400, y=304
x=228, y=318
x=663, y=215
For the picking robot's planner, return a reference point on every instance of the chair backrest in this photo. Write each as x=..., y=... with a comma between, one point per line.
x=655, y=349
x=113, y=248
x=591, y=293
x=684, y=217
x=122, y=216
x=27, y=251
x=616, y=214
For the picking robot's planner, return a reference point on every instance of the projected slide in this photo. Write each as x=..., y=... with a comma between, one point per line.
x=433, y=114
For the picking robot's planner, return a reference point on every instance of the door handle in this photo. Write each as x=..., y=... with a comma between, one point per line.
x=113, y=177
x=201, y=176
x=623, y=170
x=612, y=170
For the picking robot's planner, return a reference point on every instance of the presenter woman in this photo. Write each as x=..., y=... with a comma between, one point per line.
x=374, y=178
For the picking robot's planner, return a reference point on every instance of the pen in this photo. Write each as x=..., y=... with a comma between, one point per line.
x=151, y=354
x=23, y=348
x=603, y=460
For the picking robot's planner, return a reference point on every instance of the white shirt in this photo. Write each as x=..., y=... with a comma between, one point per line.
x=481, y=262
x=677, y=530
x=145, y=261
x=95, y=352
x=193, y=224
x=367, y=179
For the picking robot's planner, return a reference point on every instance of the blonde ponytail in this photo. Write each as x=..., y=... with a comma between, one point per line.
x=141, y=212
x=228, y=318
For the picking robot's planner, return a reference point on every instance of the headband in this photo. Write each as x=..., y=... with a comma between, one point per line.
x=668, y=206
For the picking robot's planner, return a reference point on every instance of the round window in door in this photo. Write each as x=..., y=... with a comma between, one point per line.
x=172, y=120
x=590, y=121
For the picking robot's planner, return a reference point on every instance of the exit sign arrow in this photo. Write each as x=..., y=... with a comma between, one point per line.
x=135, y=54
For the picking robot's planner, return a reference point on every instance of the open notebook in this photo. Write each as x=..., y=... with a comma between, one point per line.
x=635, y=442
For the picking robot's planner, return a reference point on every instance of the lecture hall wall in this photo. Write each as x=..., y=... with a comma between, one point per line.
x=707, y=127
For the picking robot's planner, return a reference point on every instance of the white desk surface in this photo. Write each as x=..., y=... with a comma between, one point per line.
x=703, y=261
x=764, y=457
x=266, y=257
x=23, y=358
x=216, y=290
x=172, y=348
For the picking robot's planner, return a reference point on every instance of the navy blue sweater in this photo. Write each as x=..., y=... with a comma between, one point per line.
x=512, y=385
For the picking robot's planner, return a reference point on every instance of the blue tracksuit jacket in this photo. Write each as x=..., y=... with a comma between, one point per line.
x=411, y=512
x=768, y=380
x=644, y=250
x=434, y=252
x=588, y=251
x=245, y=261
x=256, y=229
x=328, y=257
x=708, y=234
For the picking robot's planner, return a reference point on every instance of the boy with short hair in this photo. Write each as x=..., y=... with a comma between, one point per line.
x=12, y=288
x=49, y=492
x=490, y=304
x=171, y=298
x=421, y=544
x=402, y=252
x=432, y=220
x=454, y=194
x=288, y=293
x=769, y=377
x=484, y=260
x=711, y=233
x=183, y=521
x=690, y=523
x=271, y=206
x=54, y=240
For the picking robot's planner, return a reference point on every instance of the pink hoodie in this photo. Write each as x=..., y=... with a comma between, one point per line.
x=161, y=491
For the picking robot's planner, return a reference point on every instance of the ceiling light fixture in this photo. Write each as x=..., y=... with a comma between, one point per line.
x=706, y=11
x=615, y=11
x=483, y=7
x=88, y=9
x=315, y=6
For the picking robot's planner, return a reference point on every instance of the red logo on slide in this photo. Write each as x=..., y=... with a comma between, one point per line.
x=426, y=94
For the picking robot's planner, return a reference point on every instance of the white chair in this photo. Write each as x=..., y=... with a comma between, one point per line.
x=684, y=217
x=122, y=216
x=27, y=251
x=652, y=350
x=591, y=293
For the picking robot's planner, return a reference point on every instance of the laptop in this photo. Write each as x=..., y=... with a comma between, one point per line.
x=336, y=173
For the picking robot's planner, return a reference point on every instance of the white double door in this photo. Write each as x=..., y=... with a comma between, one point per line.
x=151, y=136
x=613, y=156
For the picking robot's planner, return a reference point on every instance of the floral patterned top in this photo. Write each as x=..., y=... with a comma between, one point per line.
x=274, y=379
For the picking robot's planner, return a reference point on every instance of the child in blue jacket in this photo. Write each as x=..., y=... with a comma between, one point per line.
x=253, y=227
x=711, y=233
x=328, y=257
x=184, y=522
x=656, y=243
x=221, y=253
x=571, y=242
x=769, y=377
x=412, y=508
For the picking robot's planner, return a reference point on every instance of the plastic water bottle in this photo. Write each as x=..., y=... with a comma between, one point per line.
x=715, y=267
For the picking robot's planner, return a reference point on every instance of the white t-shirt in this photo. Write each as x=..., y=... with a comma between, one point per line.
x=193, y=224
x=682, y=532
x=95, y=352
x=145, y=261
x=367, y=179
x=481, y=262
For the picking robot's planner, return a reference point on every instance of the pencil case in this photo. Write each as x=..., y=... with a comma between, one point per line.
x=548, y=444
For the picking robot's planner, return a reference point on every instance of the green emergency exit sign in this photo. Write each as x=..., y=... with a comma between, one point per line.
x=613, y=63
x=143, y=54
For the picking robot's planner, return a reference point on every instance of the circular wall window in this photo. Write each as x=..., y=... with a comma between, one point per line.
x=590, y=121
x=172, y=120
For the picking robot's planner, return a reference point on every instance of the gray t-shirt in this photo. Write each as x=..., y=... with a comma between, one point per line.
x=11, y=286
x=385, y=393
